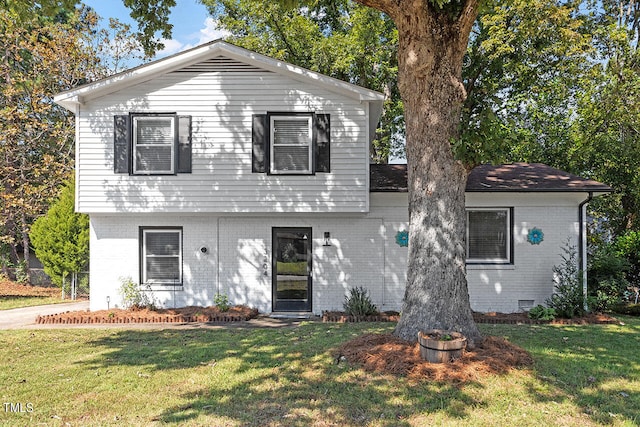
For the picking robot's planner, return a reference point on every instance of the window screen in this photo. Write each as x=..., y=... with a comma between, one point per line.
x=488, y=235
x=291, y=146
x=162, y=256
x=154, y=144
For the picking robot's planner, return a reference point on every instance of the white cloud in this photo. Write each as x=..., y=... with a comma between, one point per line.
x=170, y=47
x=211, y=31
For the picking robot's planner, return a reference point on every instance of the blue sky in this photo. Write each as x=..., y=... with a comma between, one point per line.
x=192, y=25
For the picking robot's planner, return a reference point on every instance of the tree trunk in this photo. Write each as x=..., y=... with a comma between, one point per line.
x=432, y=44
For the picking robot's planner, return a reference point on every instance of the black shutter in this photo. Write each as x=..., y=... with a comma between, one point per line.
x=122, y=144
x=184, y=144
x=322, y=129
x=259, y=143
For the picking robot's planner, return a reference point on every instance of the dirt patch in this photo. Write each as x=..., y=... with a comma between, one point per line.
x=173, y=315
x=388, y=354
x=13, y=289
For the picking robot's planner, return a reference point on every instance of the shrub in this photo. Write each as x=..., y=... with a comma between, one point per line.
x=61, y=237
x=222, y=302
x=628, y=247
x=540, y=312
x=607, y=278
x=133, y=297
x=568, y=299
x=358, y=303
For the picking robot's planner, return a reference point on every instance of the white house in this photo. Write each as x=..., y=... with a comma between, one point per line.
x=219, y=170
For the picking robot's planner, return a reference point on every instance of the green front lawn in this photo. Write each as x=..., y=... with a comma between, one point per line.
x=583, y=376
x=8, y=302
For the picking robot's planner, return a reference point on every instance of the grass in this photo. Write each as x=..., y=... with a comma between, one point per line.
x=9, y=302
x=583, y=376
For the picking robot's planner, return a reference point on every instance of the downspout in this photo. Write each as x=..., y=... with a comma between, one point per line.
x=582, y=246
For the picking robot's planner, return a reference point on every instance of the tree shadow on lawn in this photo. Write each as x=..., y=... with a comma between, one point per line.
x=597, y=367
x=278, y=377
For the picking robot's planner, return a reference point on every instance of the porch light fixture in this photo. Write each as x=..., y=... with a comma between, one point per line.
x=327, y=239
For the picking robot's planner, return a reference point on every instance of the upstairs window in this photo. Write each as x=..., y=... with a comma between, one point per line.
x=489, y=236
x=291, y=144
x=152, y=144
x=161, y=256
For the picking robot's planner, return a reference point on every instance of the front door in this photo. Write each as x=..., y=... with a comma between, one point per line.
x=291, y=269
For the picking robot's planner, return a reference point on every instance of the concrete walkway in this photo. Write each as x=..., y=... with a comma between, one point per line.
x=24, y=318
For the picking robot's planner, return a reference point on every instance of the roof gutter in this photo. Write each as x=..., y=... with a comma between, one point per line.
x=582, y=245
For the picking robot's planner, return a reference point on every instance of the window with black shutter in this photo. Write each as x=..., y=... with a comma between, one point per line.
x=152, y=144
x=291, y=143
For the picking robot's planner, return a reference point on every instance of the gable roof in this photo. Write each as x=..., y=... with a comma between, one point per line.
x=515, y=177
x=76, y=96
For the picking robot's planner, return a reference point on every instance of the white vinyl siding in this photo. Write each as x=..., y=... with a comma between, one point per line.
x=161, y=256
x=488, y=236
x=291, y=144
x=221, y=105
x=153, y=145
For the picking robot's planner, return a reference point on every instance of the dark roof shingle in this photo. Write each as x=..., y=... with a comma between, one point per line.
x=514, y=177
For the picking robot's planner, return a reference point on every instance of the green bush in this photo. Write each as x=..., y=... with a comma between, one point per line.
x=540, y=312
x=358, y=303
x=607, y=278
x=568, y=299
x=61, y=237
x=628, y=247
x=133, y=297
x=222, y=302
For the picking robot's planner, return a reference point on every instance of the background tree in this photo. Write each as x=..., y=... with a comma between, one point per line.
x=341, y=39
x=38, y=58
x=61, y=237
x=46, y=47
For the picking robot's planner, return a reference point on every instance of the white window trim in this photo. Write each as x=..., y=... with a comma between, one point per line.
x=146, y=231
x=509, y=238
x=135, y=145
x=272, y=168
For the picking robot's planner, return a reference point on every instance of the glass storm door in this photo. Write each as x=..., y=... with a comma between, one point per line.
x=291, y=269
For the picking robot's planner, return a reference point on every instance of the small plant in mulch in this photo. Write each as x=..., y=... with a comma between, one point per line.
x=358, y=303
x=543, y=313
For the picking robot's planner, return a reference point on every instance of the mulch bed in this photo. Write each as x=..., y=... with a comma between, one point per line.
x=388, y=354
x=174, y=315
x=495, y=318
x=522, y=318
x=342, y=317
x=13, y=289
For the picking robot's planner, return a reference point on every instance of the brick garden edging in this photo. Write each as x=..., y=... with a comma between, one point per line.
x=54, y=319
x=124, y=316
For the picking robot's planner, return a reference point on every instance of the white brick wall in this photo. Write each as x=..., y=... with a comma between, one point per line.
x=363, y=252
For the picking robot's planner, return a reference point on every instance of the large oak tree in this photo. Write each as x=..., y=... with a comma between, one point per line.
x=433, y=37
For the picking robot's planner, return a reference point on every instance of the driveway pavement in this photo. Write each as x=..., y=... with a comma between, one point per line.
x=25, y=318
